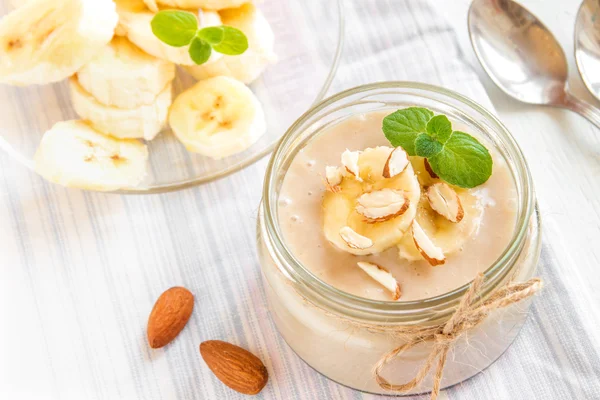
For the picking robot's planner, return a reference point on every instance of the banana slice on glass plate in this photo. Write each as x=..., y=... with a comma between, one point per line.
x=145, y=121
x=217, y=117
x=371, y=200
x=248, y=66
x=188, y=4
x=17, y=3
x=448, y=216
x=134, y=23
x=124, y=76
x=48, y=41
x=73, y=154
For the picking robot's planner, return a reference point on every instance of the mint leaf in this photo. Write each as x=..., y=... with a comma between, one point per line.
x=212, y=34
x=233, y=42
x=463, y=161
x=175, y=28
x=180, y=28
x=456, y=157
x=402, y=127
x=199, y=51
x=225, y=39
x=427, y=146
x=440, y=128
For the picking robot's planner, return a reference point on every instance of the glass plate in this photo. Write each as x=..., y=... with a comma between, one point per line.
x=308, y=43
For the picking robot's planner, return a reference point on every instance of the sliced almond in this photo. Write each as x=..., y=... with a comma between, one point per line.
x=333, y=178
x=350, y=162
x=430, y=170
x=382, y=276
x=382, y=205
x=433, y=254
x=354, y=239
x=396, y=163
x=445, y=201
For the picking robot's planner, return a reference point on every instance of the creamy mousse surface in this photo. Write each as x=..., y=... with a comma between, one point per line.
x=300, y=212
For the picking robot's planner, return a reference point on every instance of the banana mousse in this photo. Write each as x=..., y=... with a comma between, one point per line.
x=405, y=214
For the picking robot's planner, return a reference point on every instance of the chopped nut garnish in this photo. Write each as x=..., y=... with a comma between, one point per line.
x=428, y=250
x=382, y=276
x=445, y=201
x=350, y=162
x=396, y=163
x=382, y=205
x=333, y=177
x=354, y=239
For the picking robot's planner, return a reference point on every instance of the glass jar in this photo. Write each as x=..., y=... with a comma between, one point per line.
x=328, y=328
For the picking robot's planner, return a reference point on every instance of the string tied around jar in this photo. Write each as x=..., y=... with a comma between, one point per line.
x=467, y=316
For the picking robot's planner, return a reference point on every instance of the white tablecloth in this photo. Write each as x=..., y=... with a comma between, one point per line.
x=79, y=271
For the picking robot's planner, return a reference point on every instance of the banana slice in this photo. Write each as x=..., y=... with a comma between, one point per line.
x=123, y=76
x=205, y=4
x=217, y=117
x=73, y=154
x=126, y=7
x=145, y=121
x=366, y=204
x=152, y=5
x=17, y=3
x=448, y=236
x=131, y=6
x=134, y=23
x=248, y=66
x=48, y=41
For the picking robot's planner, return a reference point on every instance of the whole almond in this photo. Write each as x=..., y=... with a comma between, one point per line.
x=235, y=367
x=169, y=315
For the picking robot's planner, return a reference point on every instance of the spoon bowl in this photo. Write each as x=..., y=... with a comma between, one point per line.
x=587, y=45
x=522, y=57
x=518, y=52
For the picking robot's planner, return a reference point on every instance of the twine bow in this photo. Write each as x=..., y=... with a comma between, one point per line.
x=467, y=316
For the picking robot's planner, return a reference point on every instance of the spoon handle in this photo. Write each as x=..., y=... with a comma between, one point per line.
x=583, y=108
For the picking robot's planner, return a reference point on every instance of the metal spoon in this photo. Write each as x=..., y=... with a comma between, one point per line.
x=587, y=45
x=522, y=57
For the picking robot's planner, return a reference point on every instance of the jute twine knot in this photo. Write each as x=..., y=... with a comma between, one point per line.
x=467, y=316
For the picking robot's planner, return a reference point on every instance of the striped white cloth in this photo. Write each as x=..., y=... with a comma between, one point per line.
x=79, y=271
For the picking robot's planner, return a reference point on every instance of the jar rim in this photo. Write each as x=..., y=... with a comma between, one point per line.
x=324, y=290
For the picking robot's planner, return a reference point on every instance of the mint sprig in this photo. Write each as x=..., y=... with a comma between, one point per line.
x=456, y=157
x=440, y=128
x=175, y=28
x=180, y=28
x=199, y=51
x=427, y=146
x=225, y=39
x=402, y=127
x=463, y=162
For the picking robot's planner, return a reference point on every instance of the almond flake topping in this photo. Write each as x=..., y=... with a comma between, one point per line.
x=445, y=201
x=396, y=163
x=382, y=205
x=354, y=239
x=382, y=276
x=433, y=254
x=430, y=170
x=350, y=162
x=333, y=177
